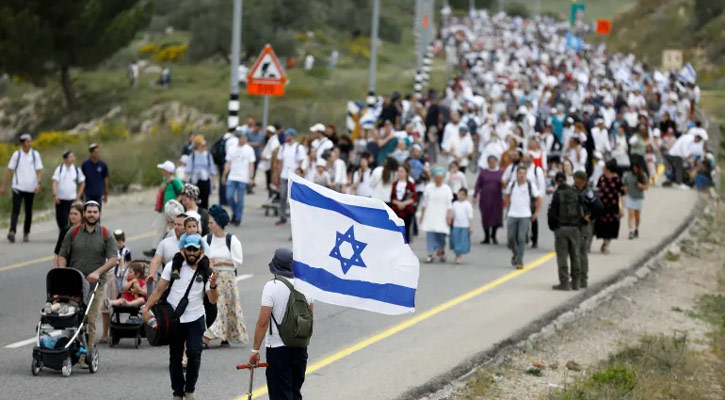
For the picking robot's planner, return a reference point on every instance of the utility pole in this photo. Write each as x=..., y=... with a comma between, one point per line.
x=233, y=118
x=418, y=33
x=373, y=53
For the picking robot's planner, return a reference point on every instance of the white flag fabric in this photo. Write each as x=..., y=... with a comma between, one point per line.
x=350, y=251
x=688, y=74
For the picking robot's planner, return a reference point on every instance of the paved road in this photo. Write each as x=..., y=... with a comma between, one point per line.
x=462, y=309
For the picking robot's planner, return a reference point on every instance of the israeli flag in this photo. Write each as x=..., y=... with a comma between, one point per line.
x=688, y=74
x=574, y=42
x=350, y=251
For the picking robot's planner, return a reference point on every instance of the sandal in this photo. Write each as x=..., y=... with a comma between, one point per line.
x=103, y=341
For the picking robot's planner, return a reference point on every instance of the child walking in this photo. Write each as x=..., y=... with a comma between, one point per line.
x=462, y=228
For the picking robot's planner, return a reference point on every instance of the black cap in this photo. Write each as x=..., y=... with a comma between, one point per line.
x=560, y=177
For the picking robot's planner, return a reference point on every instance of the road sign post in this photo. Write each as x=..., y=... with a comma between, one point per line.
x=266, y=78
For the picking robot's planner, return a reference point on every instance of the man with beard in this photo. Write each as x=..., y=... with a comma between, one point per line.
x=90, y=249
x=193, y=284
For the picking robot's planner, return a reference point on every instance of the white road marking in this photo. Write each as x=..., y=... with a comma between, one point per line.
x=244, y=277
x=30, y=341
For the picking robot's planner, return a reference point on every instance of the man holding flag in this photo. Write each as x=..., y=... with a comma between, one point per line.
x=348, y=250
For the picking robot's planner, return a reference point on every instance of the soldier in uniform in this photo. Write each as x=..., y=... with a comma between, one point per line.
x=564, y=217
x=590, y=204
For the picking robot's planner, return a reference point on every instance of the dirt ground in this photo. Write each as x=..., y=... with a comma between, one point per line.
x=663, y=303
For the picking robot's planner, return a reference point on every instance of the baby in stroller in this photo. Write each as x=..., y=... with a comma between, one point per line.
x=134, y=287
x=61, y=338
x=126, y=321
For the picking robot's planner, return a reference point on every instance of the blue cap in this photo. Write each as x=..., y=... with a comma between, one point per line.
x=191, y=241
x=241, y=132
x=463, y=128
x=290, y=132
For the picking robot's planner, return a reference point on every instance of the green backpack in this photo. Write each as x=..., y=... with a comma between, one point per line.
x=296, y=327
x=570, y=211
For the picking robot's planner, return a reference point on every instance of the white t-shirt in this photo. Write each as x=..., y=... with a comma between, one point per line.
x=380, y=190
x=520, y=203
x=457, y=181
x=462, y=214
x=437, y=200
x=25, y=177
x=240, y=158
x=168, y=247
x=581, y=164
x=276, y=294
x=291, y=156
x=321, y=146
x=68, y=179
x=338, y=173
x=363, y=188
x=195, y=308
x=218, y=251
x=230, y=141
x=460, y=147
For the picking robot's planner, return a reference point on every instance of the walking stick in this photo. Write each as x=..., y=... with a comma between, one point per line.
x=251, y=375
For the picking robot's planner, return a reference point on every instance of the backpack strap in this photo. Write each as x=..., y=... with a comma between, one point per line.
x=229, y=242
x=78, y=175
x=291, y=288
x=208, y=239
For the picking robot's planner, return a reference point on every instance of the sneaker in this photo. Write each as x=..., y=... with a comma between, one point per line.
x=493, y=239
x=683, y=186
x=534, y=245
x=631, y=235
x=280, y=223
x=583, y=284
x=636, y=233
x=11, y=237
x=574, y=285
x=562, y=286
x=177, y=398
x=26, y=237
x=485, y=241
x=189, y=396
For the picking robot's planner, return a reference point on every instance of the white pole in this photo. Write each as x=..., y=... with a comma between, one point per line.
x=233, y=118
x=373, y=52
x=265, y=113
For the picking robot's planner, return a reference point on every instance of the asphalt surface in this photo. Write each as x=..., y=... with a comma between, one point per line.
x=353, y=354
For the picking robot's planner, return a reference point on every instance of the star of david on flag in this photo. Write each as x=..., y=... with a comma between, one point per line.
x=350, y=251
x=357, y=248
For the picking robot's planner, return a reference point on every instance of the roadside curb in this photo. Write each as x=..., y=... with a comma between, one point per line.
x=442, y=386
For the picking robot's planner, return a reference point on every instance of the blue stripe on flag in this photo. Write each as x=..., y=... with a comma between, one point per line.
x=374, y=217
x=384, y=292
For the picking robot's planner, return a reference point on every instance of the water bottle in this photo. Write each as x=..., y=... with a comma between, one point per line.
x=152, y=322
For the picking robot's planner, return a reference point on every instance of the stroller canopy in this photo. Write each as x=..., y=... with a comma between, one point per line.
x=67, y=282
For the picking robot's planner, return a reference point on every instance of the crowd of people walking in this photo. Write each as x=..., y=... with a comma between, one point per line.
x=528, y=125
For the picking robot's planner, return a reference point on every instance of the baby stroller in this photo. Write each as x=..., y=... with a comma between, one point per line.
x=62, y=332
x=126, y=321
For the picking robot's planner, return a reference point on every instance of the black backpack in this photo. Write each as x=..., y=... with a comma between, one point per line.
x=570, y=211
x=219, y=151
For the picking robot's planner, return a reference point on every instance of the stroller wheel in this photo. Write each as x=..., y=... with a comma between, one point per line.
x=36, y=367
x=67, y=368
x=94, y=360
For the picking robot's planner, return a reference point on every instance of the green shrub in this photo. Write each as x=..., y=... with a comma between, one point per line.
x=619, y=377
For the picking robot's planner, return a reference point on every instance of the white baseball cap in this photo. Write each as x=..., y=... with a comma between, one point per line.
x=167, y=166
x=318, y=127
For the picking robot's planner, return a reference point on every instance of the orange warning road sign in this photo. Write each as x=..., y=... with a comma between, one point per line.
x=604, y=27
x=266, y=77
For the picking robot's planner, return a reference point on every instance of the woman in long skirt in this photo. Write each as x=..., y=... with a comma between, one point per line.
x=489, y=196
x=610, y=191
x=229, y=324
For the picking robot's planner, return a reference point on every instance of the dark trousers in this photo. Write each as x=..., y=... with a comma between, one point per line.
x=204, y=191
x=62, y=209
x=566, y=244
x=286, y=372
x=674, y=163
x=190, y=333
x=27, y=199
x=268, y=180
x=408, y=220
x=222, y=189
x=535, y=232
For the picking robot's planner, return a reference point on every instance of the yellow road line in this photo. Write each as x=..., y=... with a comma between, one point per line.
x=48, y=258
x=413, y=321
